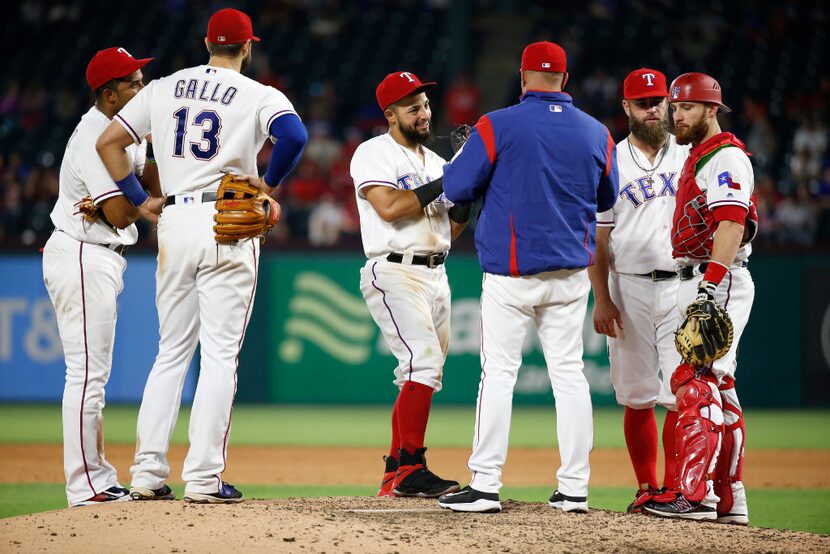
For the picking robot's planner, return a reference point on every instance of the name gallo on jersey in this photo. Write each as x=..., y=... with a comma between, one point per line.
x=641, y=190
x=207, y=91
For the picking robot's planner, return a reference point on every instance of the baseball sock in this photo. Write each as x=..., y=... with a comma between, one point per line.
x=414, y=402
x=640, y=429
x=669, y=429
x=396, y=434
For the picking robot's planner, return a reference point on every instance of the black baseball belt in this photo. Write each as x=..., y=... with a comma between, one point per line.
x=659, y=275
x=688, y=272
x=191, y=198
x=430, y=260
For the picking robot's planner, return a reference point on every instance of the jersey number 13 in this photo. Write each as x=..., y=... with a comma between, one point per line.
x=209, y=122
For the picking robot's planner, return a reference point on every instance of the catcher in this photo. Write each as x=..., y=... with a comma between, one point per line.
x=714, y=221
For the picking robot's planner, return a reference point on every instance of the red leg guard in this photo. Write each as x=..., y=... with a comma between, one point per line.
x=699, y=427
x=729, y=468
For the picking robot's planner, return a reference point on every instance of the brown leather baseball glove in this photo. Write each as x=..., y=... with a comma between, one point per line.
x=705, y=335
x=243, y=211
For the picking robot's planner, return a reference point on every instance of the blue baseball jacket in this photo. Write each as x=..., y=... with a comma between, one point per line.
x=544, y=169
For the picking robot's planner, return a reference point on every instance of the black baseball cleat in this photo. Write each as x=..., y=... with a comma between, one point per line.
x=414, y=479
x=470, y=500
x=644, y=496
x=682, y=508
x=144, y=493
x=577, y=504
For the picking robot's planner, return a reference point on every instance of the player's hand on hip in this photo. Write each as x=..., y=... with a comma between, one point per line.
x=607, y=318
x=258, y=182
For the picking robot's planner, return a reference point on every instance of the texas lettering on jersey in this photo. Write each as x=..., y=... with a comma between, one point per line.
x=641, y=190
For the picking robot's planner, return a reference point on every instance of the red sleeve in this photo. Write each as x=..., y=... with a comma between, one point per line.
x=730, y=213
x=485, y=129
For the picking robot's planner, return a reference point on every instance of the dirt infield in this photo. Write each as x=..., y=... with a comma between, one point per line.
x=366, y=524
x=798, y=469
x=318, y=525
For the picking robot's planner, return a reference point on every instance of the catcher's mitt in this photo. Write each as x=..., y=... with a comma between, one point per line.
x=242, y=210
x=459, y=136
x=705, y=335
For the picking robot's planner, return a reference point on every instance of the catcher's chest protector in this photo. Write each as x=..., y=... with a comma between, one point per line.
x=694, y=224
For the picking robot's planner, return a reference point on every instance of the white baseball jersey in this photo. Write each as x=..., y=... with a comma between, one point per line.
x=83, y=175
x=728, y=180
x=190, y=113
x=642, y=216
x=382, y=161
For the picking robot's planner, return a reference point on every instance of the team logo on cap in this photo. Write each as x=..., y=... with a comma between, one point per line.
x=649, y=77
x=675, y=92
x=407, y=75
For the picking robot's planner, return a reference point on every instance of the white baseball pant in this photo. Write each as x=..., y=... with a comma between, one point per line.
x=411, y=306
x=555, y=302
x=205, y=294
x=84, y=281
x=643, y=356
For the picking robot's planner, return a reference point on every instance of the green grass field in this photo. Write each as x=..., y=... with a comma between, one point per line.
x=804, y=510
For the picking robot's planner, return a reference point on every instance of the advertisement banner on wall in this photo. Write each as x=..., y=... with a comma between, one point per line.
x=328, y=349
x=816, y=337
x=31, y=356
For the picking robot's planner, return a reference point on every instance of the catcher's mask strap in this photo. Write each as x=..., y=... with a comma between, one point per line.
x=191, y=198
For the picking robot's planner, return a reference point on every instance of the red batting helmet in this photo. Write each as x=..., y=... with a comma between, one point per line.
x=696, y=87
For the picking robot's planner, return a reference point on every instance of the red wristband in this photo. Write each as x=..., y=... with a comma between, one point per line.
x=715, y=272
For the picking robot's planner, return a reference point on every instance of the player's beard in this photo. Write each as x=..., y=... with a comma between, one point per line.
x=654, y=135
x=412, y=134
x=692, y=134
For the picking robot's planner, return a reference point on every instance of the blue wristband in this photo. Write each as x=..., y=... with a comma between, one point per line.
x=132, y=189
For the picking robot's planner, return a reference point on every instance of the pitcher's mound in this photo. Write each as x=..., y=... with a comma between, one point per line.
x=374, y=525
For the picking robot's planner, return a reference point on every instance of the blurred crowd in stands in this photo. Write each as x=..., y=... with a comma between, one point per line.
x=787, y=133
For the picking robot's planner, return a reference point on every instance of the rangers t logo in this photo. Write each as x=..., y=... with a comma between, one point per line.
x=725, y=179
x=649, y=77
x=408, y=76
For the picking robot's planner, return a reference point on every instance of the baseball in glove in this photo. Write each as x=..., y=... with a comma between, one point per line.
x=243, y=211
x=706, y=333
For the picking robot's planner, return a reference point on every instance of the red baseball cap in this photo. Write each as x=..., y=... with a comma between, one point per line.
x=645, y=83
x=230, y=26
x=112, y=63
x=397, y=85
x=544, y=56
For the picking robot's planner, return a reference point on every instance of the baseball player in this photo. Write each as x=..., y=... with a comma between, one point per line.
x=635, y=305
x=406, y=225
x=544, y=169
x=205, y=120
x=714, y=220
x=83, y=267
